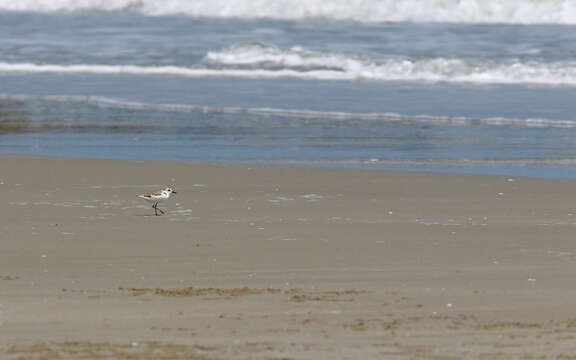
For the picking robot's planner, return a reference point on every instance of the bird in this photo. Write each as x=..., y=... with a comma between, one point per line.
x=157, y=197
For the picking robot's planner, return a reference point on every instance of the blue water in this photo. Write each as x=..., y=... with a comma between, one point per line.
x=461, y=97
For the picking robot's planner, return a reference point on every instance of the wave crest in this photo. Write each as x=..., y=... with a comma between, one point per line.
x=303, y=63
x=269, y=62
x=453, y=11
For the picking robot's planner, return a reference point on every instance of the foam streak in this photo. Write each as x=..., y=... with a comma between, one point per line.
x=391, y=117
x=269, y=62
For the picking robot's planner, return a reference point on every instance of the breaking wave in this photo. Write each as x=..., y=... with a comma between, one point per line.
x=269, y=62
x=342, y=66
x=453, y=11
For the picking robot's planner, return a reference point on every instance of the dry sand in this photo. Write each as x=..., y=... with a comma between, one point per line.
x=282, y=263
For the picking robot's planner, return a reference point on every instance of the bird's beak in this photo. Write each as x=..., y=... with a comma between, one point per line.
x=174, y=192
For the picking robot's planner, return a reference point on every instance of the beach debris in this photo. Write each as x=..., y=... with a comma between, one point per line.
x=7, y=277
x=311, y=197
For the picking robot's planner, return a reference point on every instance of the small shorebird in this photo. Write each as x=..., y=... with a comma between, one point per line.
x=157, y=197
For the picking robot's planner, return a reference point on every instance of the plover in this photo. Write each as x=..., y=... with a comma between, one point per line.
x=158, y=197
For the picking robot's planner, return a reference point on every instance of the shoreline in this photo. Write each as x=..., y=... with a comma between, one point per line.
x=268, y=262
x=449, y=171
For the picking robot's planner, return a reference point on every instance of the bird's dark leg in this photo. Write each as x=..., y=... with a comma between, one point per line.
x=156, y=209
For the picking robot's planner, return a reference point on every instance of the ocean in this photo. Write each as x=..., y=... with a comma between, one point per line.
x=462, y=86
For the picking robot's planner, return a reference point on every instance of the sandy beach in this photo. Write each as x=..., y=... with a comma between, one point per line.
x=282, y=263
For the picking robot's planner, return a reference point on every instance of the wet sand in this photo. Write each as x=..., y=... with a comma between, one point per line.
x=282, y=263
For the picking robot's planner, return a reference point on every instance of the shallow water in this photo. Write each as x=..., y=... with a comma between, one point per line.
x=462, y=97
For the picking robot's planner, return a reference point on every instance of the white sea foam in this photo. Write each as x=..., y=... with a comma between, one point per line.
x=455, y=161
x=169, y=70
x=456, y=11
x=300, y=62
x=299, y=113
x=269, y=62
